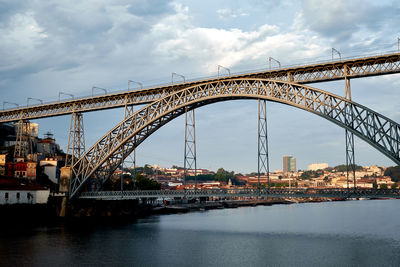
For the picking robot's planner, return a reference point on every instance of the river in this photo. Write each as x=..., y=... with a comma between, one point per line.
x=350, y=233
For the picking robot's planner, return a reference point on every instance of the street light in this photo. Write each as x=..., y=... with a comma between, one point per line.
x=222, y=67
x=138, y=83
x=176, y=74
x=6, y=102
x=94, y=87
x=62, y=93
x=398, y=44
x=337, y=52
x=270, y=59
x=31, y=98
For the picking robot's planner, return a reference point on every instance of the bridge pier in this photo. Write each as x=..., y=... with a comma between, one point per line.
x=263, y=158
x=349, y=136
x=76, y=139
x=23, y=144
x=190, y=147
x=129, y=110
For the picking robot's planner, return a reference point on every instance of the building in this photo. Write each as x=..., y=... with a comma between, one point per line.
x=317, y=166
x=31, y=170
x=47, y=147
x=50, y=168
x=14, y=192
x=20, y=167
x=3, y=164
x=289, y=164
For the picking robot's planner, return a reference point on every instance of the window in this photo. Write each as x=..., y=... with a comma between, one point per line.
x=6, y=196
x=18, y=195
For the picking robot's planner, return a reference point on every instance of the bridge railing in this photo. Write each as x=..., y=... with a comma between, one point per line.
x=275, y=192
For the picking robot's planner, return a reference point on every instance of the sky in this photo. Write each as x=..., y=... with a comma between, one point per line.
x=47, y=47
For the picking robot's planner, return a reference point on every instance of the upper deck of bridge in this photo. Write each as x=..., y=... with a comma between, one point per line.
x=351, y=68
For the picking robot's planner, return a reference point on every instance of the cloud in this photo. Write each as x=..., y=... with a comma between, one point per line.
x=228, y=13
x=46, y=35
x=178, y=40
x=20, y=36
x=47, y=47
x=342, y=19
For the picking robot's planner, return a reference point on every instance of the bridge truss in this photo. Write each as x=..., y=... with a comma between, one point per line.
x=244, y=193
x=322, y=72
x=107, y=154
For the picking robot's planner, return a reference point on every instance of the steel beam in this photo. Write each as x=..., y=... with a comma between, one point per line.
x=76, y=140
x=303, y=74
x=24, y=143
x=190, y=159
x=263, y=158
x=349, y=136
x=245, y=193
x=108, y=152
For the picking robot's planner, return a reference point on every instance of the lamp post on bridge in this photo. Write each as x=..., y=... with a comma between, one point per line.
x=94, y=87
x=270, y=59
x=62, y=93
x=31, y=98
x=337, y=52
x=6, y=102
x=138, y=83
x=179, y=75
x=222, y=67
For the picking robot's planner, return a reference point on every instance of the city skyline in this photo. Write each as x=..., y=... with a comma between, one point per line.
x=175, y=37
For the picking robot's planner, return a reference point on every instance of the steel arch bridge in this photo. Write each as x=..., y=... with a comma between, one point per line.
x=101, y=160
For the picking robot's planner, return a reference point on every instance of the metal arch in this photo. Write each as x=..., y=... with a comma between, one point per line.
x=103, y=157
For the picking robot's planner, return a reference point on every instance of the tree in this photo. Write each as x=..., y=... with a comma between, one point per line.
x=375, y=185
x=343, y=168
x=144, y=183
x=394, y=173
x=383, y=186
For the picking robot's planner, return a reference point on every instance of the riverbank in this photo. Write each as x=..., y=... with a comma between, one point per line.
x=228, y=204
x=122, y=210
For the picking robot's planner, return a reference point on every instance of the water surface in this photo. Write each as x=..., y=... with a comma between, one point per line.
x=351, y=233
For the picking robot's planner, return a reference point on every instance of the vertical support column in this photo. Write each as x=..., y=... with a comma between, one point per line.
x=23, y=143
x=128, y=112
x=190, y=146
x=76, y=139
x=263, y=158
x=349, y=120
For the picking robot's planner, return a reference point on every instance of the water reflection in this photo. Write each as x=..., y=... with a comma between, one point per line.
x=353, y=233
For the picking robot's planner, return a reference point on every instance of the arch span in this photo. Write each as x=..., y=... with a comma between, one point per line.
x=107, y=154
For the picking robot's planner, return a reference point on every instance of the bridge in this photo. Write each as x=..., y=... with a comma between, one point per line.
x=244, y=193
x=165, y=103
x=305, y=74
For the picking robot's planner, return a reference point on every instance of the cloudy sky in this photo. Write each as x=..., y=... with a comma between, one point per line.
x=69, y=46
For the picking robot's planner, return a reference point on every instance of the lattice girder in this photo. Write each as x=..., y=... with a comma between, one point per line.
x=374, y=128
x=321, y=72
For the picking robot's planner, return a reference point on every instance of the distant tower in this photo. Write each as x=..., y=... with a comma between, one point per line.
x=289, y=164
